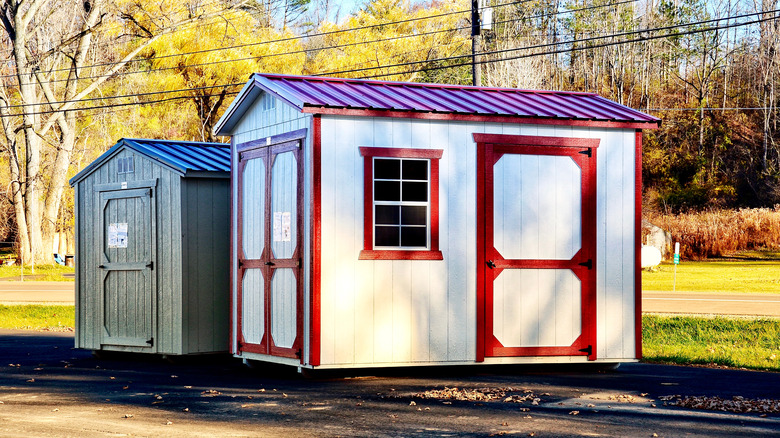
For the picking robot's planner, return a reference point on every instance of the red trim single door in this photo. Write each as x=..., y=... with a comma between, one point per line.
x=270, y=302
x=536, y=250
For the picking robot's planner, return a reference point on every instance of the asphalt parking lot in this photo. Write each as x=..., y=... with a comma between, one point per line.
x=49, y=389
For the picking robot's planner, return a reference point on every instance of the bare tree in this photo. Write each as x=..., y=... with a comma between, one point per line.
x=50, y=41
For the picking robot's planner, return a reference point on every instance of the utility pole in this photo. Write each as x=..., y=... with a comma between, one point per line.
x=476, y=40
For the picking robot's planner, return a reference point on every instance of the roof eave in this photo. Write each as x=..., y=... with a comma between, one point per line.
x=219, y=174
x=655, y=123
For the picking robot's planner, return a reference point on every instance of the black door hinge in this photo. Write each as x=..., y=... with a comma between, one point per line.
x=588, y=349
x=150, y=265
x=587, y=152
x=298, y=353
x=588, y=264
x=150, y=342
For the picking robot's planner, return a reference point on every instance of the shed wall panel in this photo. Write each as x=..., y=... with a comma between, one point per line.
x=206, y=219
x=424, y=311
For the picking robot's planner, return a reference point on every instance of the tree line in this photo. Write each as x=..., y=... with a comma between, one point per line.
x=79, y=75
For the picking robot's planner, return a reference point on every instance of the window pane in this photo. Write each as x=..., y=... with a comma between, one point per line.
x=386, y=214
x=415, y=191
x=414, y=215
x=385, y=236
x=414, y=236
x=415, y=169
x=387, y=168
x=387, y=190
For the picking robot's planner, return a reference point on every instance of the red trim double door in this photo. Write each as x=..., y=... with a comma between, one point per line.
x=536, y=250
x=270, y=241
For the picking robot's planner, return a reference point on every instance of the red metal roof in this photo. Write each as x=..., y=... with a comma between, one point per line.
x=406, y=99
x=322, y=92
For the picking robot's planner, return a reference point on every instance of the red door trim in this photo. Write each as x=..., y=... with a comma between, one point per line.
x=638, y=245
x=233, y=329
x=490, y=147
x=315, y=333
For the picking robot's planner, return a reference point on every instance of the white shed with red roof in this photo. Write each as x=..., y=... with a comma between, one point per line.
x=396, y=224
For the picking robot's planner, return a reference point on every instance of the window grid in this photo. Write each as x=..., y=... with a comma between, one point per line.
x=401, y=203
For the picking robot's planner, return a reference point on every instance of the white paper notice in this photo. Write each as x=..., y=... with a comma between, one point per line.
x=277, y=226
x=282, y=226
x=286, y=235
x=117, y=235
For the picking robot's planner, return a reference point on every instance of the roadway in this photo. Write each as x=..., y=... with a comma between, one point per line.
x=61, y=292
x=711, y=303
x=37, y=292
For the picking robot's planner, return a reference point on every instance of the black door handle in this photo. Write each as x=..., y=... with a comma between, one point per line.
x=490, y=264
x=269, y=263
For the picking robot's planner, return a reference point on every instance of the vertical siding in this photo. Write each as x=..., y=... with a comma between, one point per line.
x=376, y=312
x=206, y=228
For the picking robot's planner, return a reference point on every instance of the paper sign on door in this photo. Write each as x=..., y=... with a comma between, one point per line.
x=282, y=226
x=117, y=235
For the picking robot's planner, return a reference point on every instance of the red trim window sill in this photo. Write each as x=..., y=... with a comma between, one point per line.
x=368, y=252
x=372, y=254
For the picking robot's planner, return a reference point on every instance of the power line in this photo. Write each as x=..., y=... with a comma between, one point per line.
x=338, y=46
x=286, y=39
x=555, y=44
x=760, y=108
x=163, y=30
x=493, y=52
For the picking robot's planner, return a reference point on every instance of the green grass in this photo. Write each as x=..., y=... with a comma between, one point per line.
x=37, y=317
x=732, y=342
x=684, y=340
x=755, y=276
x=42, y=272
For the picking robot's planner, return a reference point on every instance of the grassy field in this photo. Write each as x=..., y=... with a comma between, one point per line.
x=727, y=276
x=42, y=272
x=732, y=342
x=37, y=317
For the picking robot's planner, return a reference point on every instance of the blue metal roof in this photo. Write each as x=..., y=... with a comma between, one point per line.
x=185, y=157
x=312, y=94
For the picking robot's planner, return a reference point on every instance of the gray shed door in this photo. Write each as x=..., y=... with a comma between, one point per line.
x=128, y=287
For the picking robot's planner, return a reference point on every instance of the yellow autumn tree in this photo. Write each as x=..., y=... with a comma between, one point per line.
x=211, y=61
x=394, y=40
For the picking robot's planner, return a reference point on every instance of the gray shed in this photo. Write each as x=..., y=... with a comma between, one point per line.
x=152, y=254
